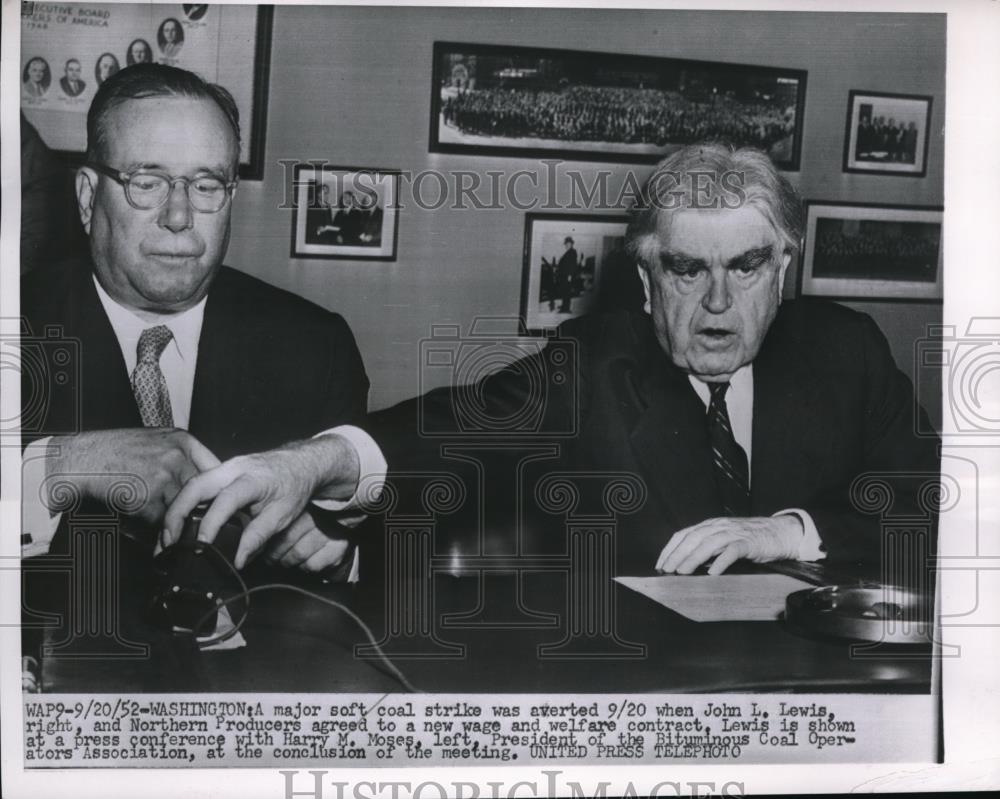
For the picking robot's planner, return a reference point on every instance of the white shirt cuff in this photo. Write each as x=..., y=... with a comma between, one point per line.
x=371, y=470
x=811, y=546
x=36, y=519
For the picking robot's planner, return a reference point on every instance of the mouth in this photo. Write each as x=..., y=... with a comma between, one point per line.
x=174, y=257
x=716, y=337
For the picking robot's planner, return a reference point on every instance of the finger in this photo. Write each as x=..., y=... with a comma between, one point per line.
x=307, y=546
x=708, y=548
x=677, y=539
x=201, y=456
x=238, y=494
x=257, y=533
x=186, y=471
x=727, y=558
x=282, y=543
x=672, y=544
x=196, y=490
x=695, y=536
x=332, y=554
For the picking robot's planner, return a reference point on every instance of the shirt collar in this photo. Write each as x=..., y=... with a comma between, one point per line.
x=186, y=325
x=740, y=385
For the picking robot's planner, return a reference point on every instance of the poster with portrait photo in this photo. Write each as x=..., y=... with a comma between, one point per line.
x=345, y=212
x=887, y=133
x=225, y=44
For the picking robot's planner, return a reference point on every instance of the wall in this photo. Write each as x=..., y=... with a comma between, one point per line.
x=352, y=86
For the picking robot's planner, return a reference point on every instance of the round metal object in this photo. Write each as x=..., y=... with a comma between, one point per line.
x=886, y=614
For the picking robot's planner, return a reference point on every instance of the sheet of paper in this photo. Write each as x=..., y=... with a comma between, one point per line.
x=223, y=624
x=726, y=597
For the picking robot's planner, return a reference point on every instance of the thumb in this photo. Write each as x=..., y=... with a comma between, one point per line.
x=201, y=456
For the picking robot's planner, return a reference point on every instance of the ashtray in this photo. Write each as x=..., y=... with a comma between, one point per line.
x=883, y=613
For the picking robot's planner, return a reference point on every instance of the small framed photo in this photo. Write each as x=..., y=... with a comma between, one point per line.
x=887, y=134
x=875, y=252
x=345, y=212
x=575, y=264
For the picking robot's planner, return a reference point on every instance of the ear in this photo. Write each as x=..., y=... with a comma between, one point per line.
x=644, y=277
x=86, y=191
x=786, y=259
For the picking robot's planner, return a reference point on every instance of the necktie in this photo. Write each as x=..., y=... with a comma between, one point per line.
x=732, y=473
x=148, y=382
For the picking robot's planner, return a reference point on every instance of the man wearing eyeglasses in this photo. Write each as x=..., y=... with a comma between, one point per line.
x=177, y=361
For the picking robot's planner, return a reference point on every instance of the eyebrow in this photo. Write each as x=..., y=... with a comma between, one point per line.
x=217, y=171
x=681, y=262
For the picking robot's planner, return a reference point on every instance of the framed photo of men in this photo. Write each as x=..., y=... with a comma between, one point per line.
x=574, y=264
x=535, y=103
x=872, y=252
x=345, y=212
x=887, y=133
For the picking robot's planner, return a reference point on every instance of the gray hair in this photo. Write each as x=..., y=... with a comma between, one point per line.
x=713, y=175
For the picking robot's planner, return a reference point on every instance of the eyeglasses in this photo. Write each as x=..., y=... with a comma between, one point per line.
x=146, y=190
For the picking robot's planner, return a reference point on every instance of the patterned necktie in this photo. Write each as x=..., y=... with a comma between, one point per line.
x=148, y=383
x=732, y=473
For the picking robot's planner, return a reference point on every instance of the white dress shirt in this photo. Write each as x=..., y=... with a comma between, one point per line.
x=739, y=406
x=177, y=362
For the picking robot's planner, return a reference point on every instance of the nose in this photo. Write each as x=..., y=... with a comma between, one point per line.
x=176, y=213
x=717, y=299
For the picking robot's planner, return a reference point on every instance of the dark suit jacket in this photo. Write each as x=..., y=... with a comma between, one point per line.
x=829, y=406
x=67, y=88
x=272, y=367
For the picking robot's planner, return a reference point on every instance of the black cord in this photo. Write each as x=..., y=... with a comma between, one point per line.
x=219, y=602
x=393, y=670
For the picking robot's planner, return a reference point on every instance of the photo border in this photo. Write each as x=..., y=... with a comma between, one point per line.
x=392, y=206
x=526, y=268
x=877, y=169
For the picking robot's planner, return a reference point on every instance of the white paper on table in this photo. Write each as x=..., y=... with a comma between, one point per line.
x=223, y=624
x=724, y=597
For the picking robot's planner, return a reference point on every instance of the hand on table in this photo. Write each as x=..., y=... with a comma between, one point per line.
x=97, y=462
x=759, y=539
x=273, y=487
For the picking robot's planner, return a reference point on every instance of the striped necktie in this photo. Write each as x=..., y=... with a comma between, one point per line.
x=148, y=382
x=732, y=472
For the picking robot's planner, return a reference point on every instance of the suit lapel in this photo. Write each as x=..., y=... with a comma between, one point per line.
x=220, y=390
x=106, y=389
x=670, y=439
x=788, y=431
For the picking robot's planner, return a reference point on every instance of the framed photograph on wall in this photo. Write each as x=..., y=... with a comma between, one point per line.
x=575, y=264
x=536, y=103
x=345, y=212
x=66, y=56
x=887, y=134
x=873, y=252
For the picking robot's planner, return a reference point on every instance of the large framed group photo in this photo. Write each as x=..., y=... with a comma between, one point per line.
x=535, y=102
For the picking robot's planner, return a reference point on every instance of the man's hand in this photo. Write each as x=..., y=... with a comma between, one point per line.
x=273, y=487
x=306, y=546
x=760, y=539
x=162, y=460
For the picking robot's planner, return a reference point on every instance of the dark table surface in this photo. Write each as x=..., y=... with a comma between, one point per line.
x=486, y=633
